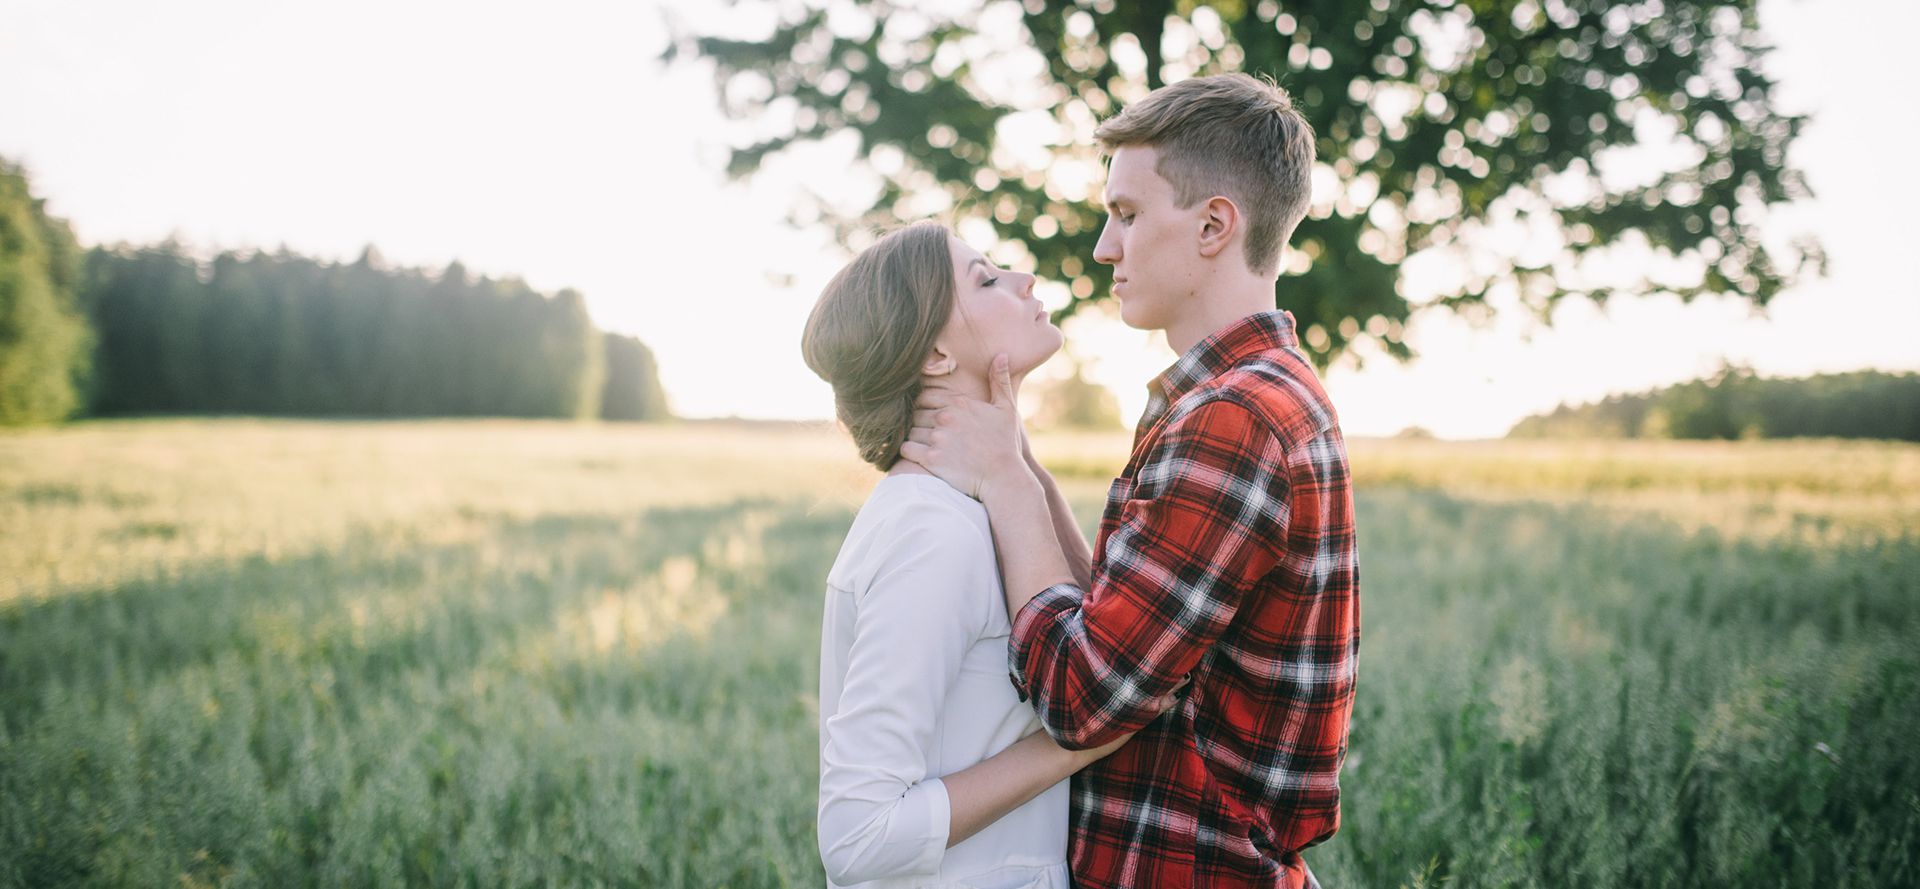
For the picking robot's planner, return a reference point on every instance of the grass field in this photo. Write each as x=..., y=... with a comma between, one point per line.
x=491, y=653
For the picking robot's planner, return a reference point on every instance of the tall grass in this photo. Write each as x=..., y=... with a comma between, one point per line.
x=1553, y=697
x=502, y=654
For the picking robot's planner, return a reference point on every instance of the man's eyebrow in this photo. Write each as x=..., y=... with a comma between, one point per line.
x=1117, y=200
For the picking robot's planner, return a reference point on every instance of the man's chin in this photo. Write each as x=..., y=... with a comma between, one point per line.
x=1133, y=315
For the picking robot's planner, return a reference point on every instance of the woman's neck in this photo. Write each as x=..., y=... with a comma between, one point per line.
x=904, y=466
x=972, y=385
x=968, y=384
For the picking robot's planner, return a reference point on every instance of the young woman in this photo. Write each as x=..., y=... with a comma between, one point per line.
x=932, y=772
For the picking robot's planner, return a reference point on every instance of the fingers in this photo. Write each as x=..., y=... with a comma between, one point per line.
x=933, y=418
x=920, y=435
x=1000, y=378
x=1171, y=698
x=915, y=451
x=934, y=399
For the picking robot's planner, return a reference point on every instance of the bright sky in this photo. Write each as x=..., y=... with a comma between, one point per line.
x=546, y=141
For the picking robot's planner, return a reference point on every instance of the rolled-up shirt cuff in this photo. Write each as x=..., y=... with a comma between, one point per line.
x=900, y=837
x=1028, y=625
x=938, y=819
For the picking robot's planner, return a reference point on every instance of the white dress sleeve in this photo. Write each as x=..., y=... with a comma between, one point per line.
x=881, y=813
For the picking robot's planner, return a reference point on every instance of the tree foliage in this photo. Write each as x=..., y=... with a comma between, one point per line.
x=1736, y=403
x=633, y=389
x=1075, y=402
x=44, y=340
x=1498, y=136
x=279, y=333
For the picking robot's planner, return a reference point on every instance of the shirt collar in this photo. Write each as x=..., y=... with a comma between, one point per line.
x=1259, y=332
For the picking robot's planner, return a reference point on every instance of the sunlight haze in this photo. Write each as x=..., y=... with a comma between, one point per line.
x=550, y=143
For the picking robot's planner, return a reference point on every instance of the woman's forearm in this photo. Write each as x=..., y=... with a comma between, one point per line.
x=986, y=791
x=1073, y=545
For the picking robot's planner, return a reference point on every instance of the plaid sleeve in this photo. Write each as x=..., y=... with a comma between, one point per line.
x=1202, y=525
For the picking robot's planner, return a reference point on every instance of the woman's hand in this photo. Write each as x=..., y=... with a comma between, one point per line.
x=1092, y=755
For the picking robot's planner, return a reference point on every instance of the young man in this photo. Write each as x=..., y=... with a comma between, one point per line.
x=1226, y=554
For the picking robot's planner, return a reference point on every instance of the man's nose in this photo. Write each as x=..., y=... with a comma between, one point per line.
x=1106, y=250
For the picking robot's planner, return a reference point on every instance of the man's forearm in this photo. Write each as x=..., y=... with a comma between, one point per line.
x=1031, y=559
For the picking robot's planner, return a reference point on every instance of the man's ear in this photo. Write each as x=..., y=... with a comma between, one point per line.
x=938, y=363
x=1220, y=220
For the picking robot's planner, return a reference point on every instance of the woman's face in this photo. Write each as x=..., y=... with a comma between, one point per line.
x=994, y=311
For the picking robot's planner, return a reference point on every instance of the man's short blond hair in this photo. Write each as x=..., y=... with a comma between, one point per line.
x=1230, y=135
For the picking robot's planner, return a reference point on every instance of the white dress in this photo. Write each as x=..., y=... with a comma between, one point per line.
x=913, y=685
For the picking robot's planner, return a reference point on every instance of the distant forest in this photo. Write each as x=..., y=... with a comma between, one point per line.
x=154, y=329
x=1736, y=403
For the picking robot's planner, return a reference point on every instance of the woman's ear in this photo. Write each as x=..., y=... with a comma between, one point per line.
x=938, y=363
x=1219, y=221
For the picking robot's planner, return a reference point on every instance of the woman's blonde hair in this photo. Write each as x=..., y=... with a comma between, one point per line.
x=872, y=330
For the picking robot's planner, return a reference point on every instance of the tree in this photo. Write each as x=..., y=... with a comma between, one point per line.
x=1075, y=402
x=286, y=334
x=1444, y=126
x=571, y=354
x=632, y=389
x=44, y=338
x=1737, y=403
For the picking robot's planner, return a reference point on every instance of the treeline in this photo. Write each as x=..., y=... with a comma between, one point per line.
x=1736, y=403
x=161, y=331
x=45, y=344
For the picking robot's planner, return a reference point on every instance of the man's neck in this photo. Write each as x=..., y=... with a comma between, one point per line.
x=1216, y=307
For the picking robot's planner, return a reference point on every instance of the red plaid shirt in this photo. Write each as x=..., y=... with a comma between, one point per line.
x=1226, y=552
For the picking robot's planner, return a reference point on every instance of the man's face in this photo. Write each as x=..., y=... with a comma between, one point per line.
x=1149, y=240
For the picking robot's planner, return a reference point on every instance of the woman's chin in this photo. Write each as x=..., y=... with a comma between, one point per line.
x=1022, y=365
x=1052, y=349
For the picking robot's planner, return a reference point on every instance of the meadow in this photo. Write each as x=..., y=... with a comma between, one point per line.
x=239, y=652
